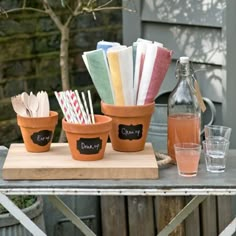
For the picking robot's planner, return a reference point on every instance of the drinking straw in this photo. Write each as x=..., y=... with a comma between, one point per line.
x=91, y=106
x=81, y=107
x=74, y=105
x=68, y=107
x=86, y=107
x=63, y=107
x=78, y=110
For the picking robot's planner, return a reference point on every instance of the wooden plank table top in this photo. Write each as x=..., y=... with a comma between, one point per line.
x=168, y=184
x=58, y=164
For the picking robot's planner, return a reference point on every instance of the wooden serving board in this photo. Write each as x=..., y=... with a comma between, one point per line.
x=58, y=164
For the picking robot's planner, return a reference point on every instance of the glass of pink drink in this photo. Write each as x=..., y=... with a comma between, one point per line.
x=187, y=157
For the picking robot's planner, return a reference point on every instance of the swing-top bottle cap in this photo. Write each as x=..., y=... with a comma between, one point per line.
x=184, y=60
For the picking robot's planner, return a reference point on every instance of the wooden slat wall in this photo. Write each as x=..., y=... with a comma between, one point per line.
x=205, y=13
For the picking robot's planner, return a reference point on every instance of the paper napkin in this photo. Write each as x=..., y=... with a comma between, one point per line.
x=106, y=44
x=96, y=63
x=154, y=73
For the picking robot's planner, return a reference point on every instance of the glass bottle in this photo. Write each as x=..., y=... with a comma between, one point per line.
x=184, y=113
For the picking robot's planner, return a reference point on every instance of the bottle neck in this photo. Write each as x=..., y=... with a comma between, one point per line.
x=184, y=76
x=183, y=71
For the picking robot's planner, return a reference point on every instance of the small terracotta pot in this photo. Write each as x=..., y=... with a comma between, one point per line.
x=87, y=142
x=130, y=125
x=37, y=132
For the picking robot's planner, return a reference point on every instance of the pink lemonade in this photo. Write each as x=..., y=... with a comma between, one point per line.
x=187, y=162
x=184, y=128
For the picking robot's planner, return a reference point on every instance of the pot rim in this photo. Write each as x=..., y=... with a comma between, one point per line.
x=128, y=111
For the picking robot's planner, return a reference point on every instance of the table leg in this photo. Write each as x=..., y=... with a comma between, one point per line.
x=19, y=215
x=230, y=229
x=61, y=206
x=182, y=215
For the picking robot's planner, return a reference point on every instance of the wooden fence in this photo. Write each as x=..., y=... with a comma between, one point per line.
x=147, y=215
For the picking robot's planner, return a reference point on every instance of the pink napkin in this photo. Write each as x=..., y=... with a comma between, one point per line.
x=141, y=46
x=156, y=64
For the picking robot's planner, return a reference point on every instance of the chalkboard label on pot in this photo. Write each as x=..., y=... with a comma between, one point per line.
x=130, y=132
x=89, y=146
x=42, y=138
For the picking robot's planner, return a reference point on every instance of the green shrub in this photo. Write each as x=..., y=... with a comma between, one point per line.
x=20, y=201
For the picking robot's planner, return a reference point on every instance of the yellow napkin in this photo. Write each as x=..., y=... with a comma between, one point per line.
x=113, y=60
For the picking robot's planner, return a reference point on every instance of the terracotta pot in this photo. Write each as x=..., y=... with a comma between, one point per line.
x=37, y=132
x=130, y=125
x=87, y=142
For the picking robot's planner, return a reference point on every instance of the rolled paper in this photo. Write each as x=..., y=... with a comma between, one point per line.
x=157, y=75
x=106, y=44
x=96, y=63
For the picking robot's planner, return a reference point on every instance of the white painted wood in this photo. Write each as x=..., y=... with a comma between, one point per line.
x=230, y=229
x=18, y=214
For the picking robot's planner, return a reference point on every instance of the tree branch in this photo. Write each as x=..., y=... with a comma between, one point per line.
x=25, y=8
x=91, y=10
x=52, y=14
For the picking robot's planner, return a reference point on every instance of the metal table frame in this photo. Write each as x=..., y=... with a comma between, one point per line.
x=169, y=184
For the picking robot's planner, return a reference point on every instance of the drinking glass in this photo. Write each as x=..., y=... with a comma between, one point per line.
x=215, y=152
x=217, y=131
x=187, y=158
